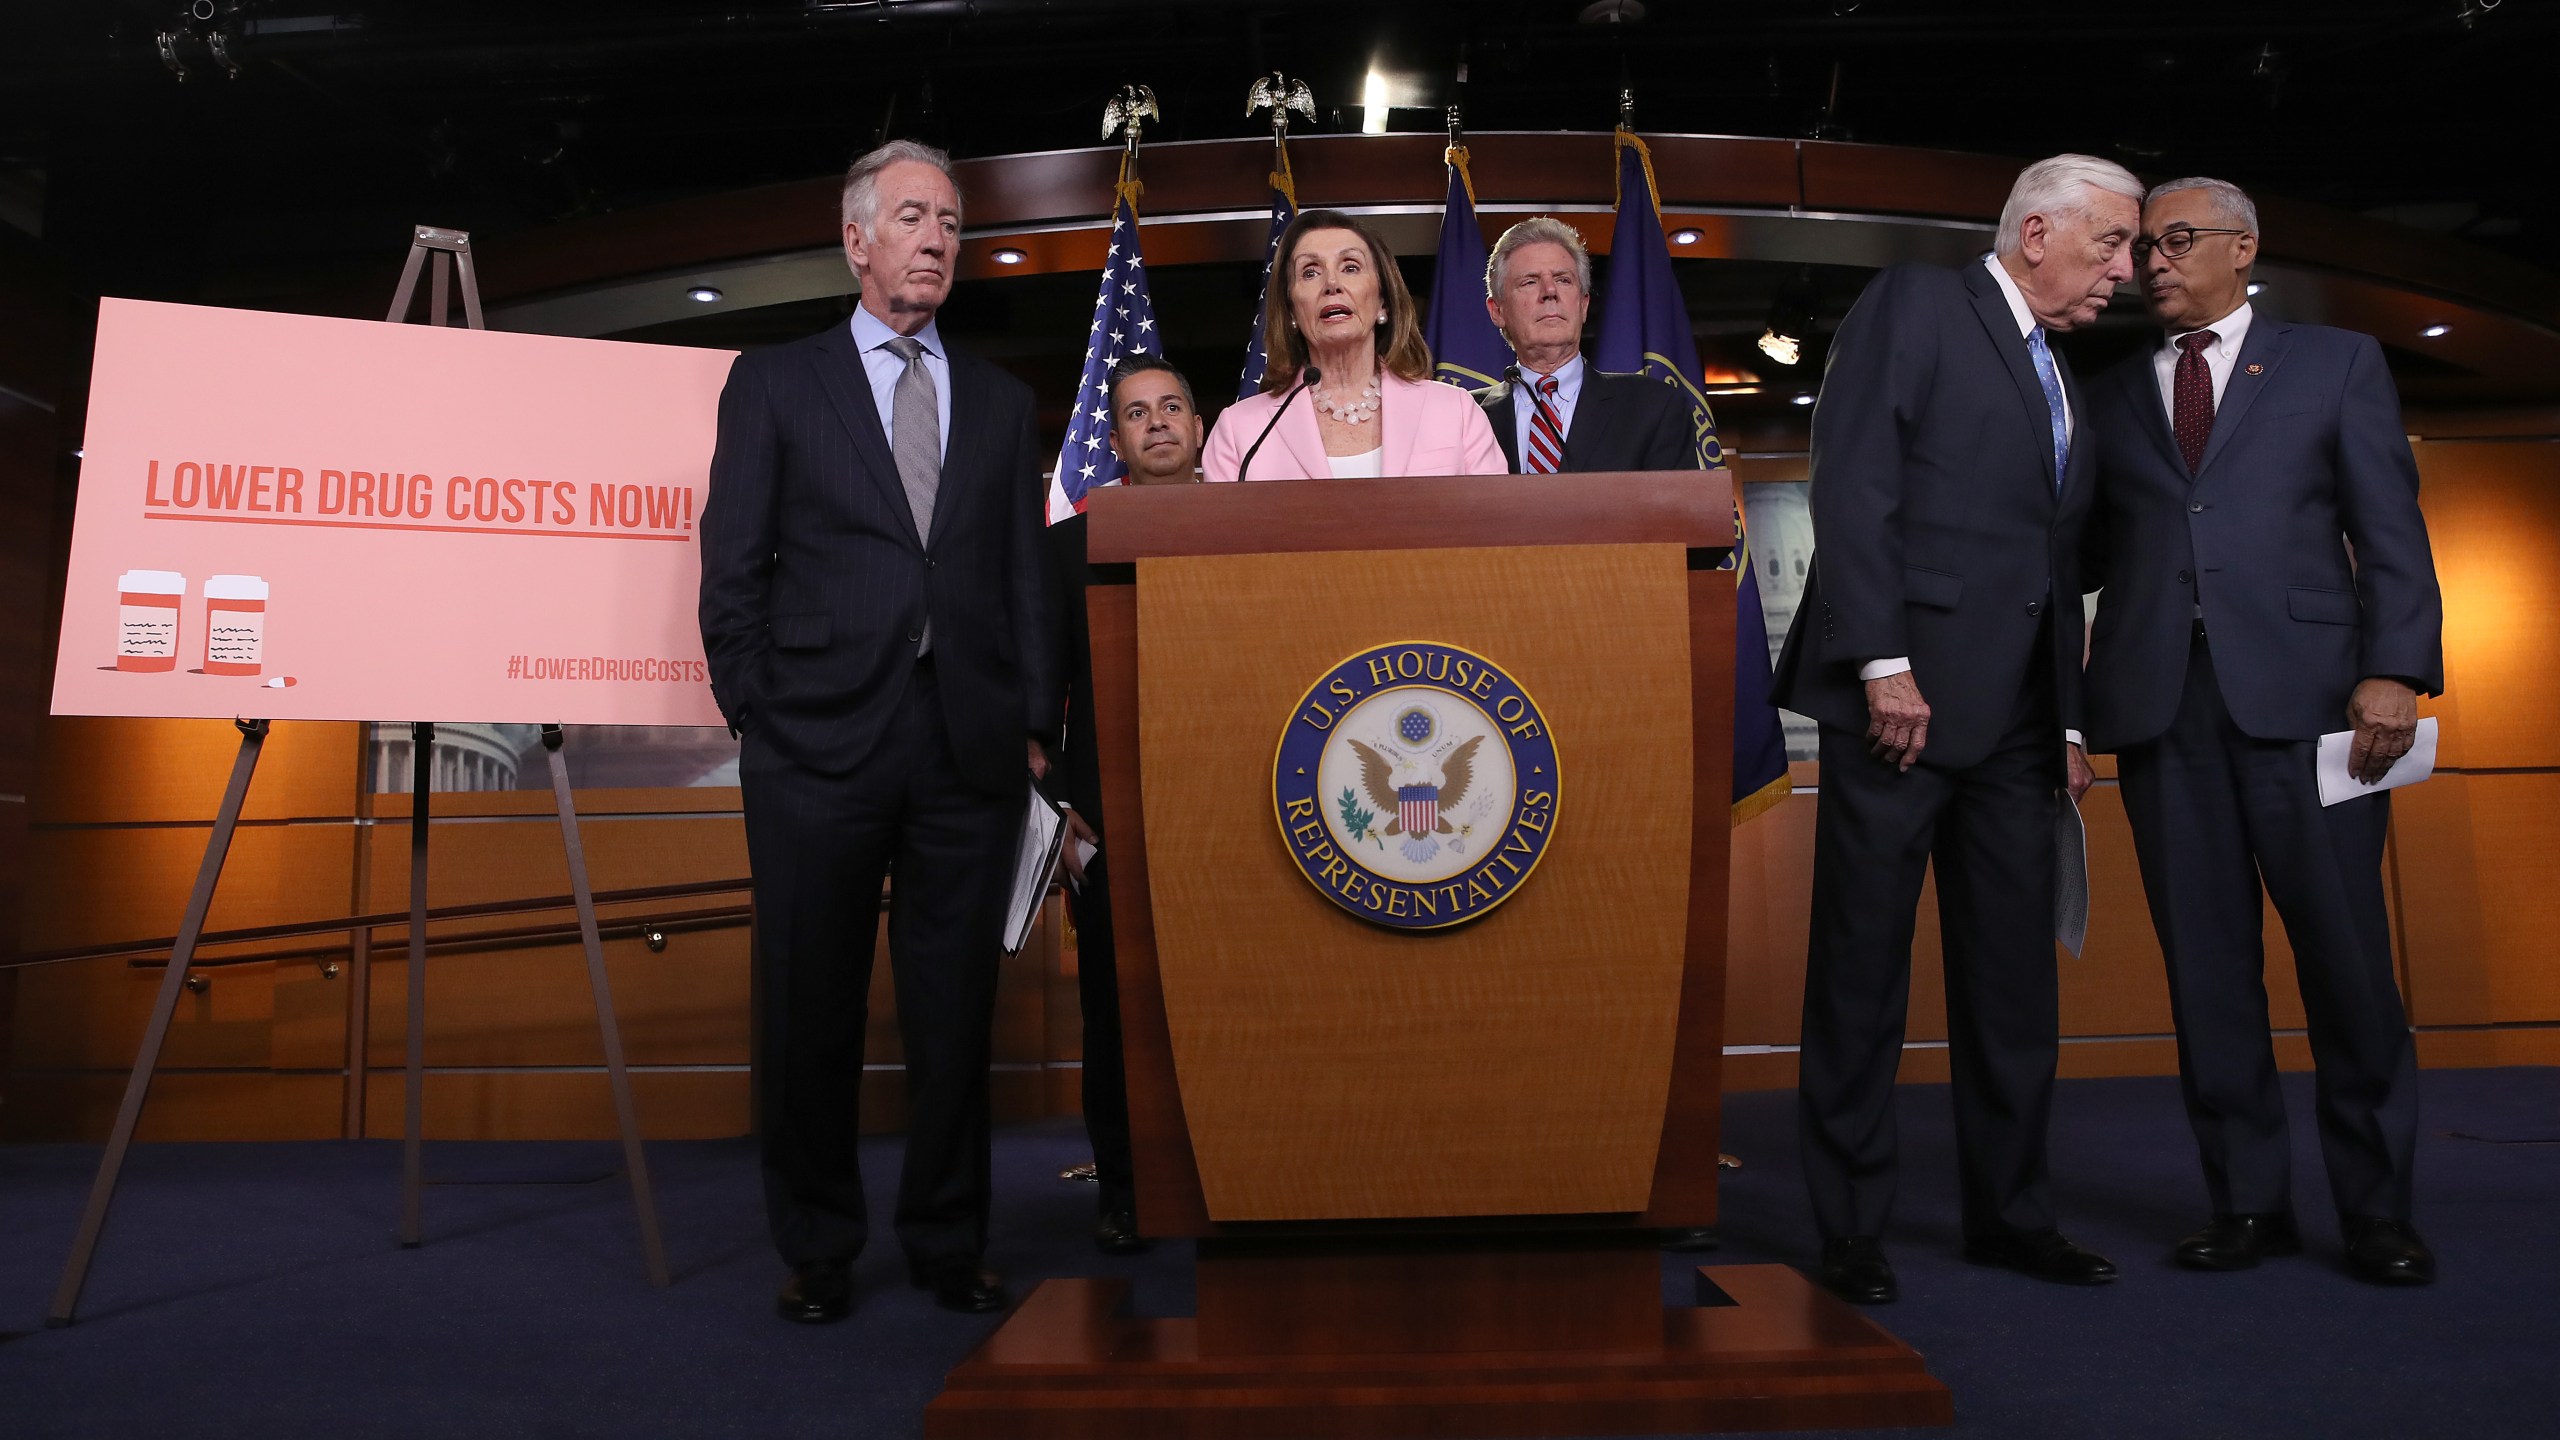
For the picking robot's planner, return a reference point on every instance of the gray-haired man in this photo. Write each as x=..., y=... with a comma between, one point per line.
x=875, y=610
x=1949, y=481
x=1554, y=413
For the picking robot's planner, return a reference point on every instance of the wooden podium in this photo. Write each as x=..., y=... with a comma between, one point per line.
x=1424, y=1167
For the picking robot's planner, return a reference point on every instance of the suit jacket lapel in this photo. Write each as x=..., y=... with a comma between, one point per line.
x=968, y=437
x=1506, y=428
x=1992, y=308
x=1399, y=422
x=840, y=374
x=2251, y=372
x=1591, y=420
x=2140, y=383
x=1299, y=436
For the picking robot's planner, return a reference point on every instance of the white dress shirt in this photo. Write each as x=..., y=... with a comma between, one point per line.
x=2219, y=357
x=1367, y=465
x=2018, y=311
x=883, y=366
x=1524, y=406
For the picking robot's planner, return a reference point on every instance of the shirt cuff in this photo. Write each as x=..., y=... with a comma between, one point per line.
x=2073, y=737
x=1878, y=669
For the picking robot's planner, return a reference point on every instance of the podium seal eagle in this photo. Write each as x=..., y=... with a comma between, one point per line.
x=1416, y=785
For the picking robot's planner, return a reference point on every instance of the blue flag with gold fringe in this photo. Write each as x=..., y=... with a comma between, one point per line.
x=1644, y=329
x=1466, y=350
x=1284, y=208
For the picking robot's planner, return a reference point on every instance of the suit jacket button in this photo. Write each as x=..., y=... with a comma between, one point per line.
x=2184, y=577
x=2035, y=607
x=2195, y=507
x=913, y=636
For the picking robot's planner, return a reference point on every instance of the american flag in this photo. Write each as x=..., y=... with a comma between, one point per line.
x=1124, y=323
x=1284, y=208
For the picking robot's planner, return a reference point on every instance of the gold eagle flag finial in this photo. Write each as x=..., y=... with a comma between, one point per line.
x=1134, y=105
x=1279, y=94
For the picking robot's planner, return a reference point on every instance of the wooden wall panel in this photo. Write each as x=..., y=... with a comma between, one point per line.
x=186, y=1105
x=99, y=886
x=2493, y=516
x=2476, y=857
x=98, y=770
x=530, y=1005
x=562, y=1104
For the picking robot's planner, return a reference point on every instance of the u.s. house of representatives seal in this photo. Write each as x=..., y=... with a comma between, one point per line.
x=1416, y=785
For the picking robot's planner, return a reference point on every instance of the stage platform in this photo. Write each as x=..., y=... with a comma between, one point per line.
x=256, y=1288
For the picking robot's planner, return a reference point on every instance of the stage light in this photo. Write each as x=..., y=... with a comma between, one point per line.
x=703, y=293
x=1373, y=104
x=2255, y=287
x=2436, y=332
x=1010, y=256
x=1687, y=237
x=1790, y=320
x=1804, y=400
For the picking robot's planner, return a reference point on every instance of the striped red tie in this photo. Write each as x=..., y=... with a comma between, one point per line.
x=1546, y=437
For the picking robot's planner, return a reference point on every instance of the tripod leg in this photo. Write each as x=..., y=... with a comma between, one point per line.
x=422, y=740
x=643, y=1201
x=102, y=1193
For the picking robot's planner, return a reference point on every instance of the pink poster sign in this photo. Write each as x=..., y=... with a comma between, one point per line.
x=293, y=517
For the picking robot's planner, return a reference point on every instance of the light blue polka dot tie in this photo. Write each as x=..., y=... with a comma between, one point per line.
x=2052, y=379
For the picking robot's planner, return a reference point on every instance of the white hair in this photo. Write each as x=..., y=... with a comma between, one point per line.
x=861, y=204
x=2229, y=200
x=1538, y=230
x=2056, y=187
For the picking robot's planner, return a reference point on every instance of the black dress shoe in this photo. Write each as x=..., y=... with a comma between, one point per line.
x=820, y=1293
x=962, y=1286
x=2239, y=1242
x=1854, y=1268
x=1116, y=1233
x=1691, y=1240
x=2386, y=1251
x=2043, y=1254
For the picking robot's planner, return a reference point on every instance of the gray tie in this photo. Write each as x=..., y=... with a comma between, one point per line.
x=915, y=432
x=915, y=441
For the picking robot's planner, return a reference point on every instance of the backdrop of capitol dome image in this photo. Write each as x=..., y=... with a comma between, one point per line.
x=509, y=757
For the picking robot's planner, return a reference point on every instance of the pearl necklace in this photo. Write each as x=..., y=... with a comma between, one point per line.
x=1355, y=413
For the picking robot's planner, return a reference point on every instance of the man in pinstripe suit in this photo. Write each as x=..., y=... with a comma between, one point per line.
x=874, y=607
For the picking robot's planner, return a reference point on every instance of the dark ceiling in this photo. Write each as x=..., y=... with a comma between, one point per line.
x=342, y=127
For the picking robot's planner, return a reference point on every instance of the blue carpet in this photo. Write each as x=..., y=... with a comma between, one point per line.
x=254, y=1289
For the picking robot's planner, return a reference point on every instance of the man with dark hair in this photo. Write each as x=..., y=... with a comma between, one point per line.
x=1156, y=431
x=876, y=616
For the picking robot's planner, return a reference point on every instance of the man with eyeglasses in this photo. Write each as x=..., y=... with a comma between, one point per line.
x=2267, y=579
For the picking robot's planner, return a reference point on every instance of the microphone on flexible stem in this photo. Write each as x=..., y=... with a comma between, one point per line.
x=1306, y=377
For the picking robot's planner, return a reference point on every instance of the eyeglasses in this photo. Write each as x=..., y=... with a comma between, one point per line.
x=2175, y=244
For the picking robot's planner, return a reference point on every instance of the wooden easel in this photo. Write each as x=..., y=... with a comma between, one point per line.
x=450, y=251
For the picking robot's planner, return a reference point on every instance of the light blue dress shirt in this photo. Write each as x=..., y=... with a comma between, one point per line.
x=1524, y=406
x=884, y=367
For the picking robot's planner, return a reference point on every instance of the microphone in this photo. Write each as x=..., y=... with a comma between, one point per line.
x=1306, y=377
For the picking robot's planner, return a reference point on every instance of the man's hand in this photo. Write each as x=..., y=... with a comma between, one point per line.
x=2384, y=713
x=1077, y=831
x=2076, y=773
x=1897, y=719
x=1039, y=762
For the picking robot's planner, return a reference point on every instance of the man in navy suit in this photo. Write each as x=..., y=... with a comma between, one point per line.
x=1938, y=646
x=1553, y=413
x=2267, y=579
x=875, y=610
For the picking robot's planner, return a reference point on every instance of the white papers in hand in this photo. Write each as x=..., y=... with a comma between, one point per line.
x=1033, y=863
x=2071, y=878
x=2337, y=784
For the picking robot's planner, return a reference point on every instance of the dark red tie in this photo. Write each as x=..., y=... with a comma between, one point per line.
x=1546, y=438
x=2191, y=398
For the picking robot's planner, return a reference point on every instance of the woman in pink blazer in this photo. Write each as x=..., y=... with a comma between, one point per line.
x=1375, y=410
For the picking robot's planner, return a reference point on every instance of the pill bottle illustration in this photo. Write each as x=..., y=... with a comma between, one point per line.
x=147, y=619
x=235, y=624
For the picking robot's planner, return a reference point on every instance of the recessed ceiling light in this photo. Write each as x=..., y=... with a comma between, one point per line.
x=2436, y=332
x=703, y=293
x=1010, y=256
x=1804, y=400
x=2255, y=287
x=1373, y=104
x=1686, y=237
